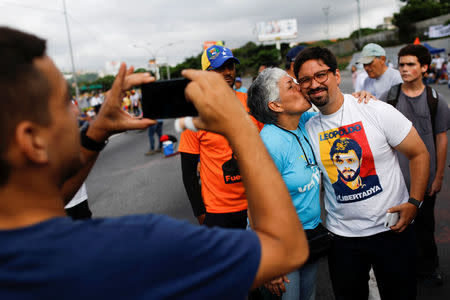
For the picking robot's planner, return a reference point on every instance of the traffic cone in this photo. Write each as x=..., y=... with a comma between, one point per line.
x=416, y=41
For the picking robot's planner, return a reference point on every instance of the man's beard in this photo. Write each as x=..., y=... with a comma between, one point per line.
x=353, y=177
x=319, y=101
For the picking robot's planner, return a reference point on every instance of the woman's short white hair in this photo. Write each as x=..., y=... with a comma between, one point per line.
x=263, y=90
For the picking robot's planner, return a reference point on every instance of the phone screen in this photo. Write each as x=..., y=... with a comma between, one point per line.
x=164, y=99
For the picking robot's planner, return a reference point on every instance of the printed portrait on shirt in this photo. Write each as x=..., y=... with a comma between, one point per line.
x=348, y=160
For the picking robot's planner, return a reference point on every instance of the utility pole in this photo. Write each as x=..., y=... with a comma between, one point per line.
x=359, y=23
x=77, y=92
x=326, y=11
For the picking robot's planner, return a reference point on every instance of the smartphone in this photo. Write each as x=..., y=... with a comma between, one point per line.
x=164, y=99
x=391, y=219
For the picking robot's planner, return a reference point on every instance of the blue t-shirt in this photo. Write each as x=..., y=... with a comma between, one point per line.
x=241, y=89
x=302, y=181
x=134, y=257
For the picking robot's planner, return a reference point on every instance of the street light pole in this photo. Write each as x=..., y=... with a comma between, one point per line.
x=359, y=23
x=154, y=55
x=77, y=92
x=326, y=11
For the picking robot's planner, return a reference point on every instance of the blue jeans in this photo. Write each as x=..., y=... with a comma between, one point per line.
x=157, y=128
x=302, y=283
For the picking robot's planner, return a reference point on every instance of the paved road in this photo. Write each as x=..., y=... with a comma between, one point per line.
x=125, y=181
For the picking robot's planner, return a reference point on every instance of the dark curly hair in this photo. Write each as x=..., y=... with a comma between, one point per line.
x=315, y=53
x=419, y=51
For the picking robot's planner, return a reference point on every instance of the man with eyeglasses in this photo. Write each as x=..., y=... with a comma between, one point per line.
x=357, y=217
x=381, y=77
x=220, y=200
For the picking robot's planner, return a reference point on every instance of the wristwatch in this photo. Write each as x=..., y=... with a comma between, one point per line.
x=415, y=202
x=89, y=143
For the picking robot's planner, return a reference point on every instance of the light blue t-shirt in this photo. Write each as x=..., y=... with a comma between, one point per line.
x=242, y=89
x=301, y=180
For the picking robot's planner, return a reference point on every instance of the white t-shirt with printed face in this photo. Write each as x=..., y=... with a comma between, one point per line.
x=362, y=176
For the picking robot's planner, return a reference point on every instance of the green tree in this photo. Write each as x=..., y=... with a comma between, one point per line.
x=106, y=81
x=140, y=70
x=417, y=10
x=364, y=32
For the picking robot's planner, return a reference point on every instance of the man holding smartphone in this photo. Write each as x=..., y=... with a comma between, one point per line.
x=221, y=200
x=44, y=158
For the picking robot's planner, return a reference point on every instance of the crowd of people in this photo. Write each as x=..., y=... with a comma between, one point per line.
x=253, y=166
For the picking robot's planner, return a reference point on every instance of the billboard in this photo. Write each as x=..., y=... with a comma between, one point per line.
x=438, y=31
x=208, y=44
x=277, y=30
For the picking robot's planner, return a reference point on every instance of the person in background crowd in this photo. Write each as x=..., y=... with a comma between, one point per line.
x=127, y=102
x=290, y=58
x=157, y=128
x=429, y=113
x=135, y=102
x=380, y=77
x=238, y=85
x=220, y=200
x=131, y=257
x=96, y=102
x=438, y=62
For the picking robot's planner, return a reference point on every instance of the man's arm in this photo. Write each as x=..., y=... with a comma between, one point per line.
x=414, y=149
x=441, y=158
x=111, y=119
x=284, y=247
x=189, y=164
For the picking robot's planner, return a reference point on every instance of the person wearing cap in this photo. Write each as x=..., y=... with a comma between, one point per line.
x=238, y=85
x=220, y=200
x=290, y=58
x=381, y=77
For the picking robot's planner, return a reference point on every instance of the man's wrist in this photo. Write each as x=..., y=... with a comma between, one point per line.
x=89, y=143
x=97, y=134
x=415, y=202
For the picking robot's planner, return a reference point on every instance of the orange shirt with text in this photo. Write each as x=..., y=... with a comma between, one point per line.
x=222, y=188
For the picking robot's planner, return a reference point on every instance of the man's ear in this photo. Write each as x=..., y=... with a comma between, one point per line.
x=275, y=106
x=424, y=68
x=338, y=76
x=32, y=141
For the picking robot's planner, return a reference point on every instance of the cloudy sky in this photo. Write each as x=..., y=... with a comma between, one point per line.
x=134, y=30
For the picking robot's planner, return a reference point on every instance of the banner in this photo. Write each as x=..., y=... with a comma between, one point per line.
x=438, y=31
x=277, y=30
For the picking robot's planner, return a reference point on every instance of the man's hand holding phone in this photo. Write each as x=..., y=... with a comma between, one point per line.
x=111, y=118
x=219, y=109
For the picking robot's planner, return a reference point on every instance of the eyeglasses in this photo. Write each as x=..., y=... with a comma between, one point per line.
x=319, y=77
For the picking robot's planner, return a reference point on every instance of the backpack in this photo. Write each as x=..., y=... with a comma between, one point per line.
x=432, y=101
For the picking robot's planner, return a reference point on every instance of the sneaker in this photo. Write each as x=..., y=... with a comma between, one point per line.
x=150, y=152
x=433, y=279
